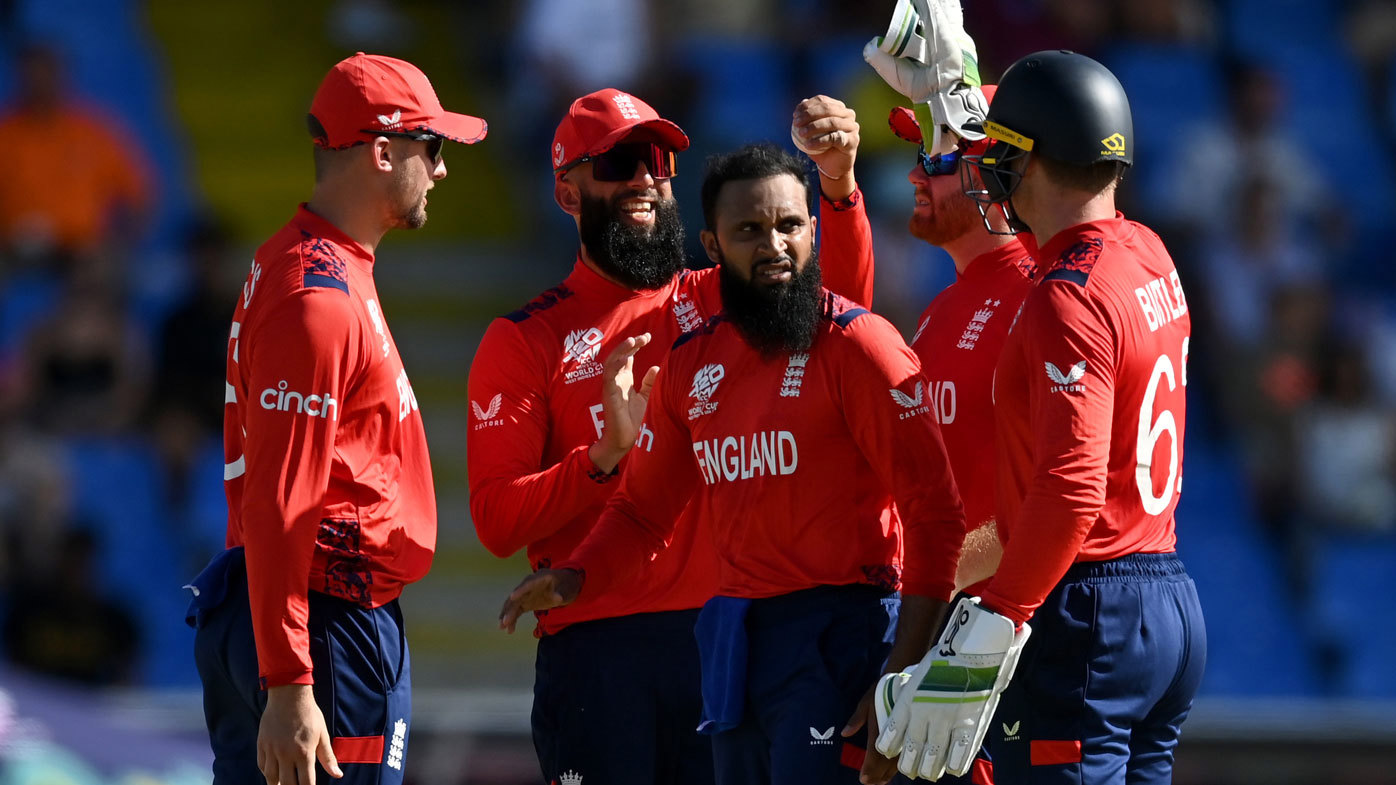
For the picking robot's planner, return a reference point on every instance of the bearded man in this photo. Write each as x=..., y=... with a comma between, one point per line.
x=555, y=407
x=787, y=426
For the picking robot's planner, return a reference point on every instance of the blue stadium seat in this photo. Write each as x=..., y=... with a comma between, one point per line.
x=118, y=489
x=743, y=91
x=1253, y=647
x=1262, y=28
x=1171, y=89
x=24, y=302
x=1354, y=583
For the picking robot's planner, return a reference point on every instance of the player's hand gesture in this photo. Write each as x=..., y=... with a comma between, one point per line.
x=538, y=592
x=826, y=130
x=623, y=403
x=292, y=737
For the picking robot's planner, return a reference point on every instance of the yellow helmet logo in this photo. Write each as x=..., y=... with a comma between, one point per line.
x=1114, y=145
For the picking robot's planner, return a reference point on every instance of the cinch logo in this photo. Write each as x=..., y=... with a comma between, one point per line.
x=821, y=739
x=626, y=105
x=766, y=453
x=283, y=399
x=391, y=120
x=912, y=403
x=1114, y=145
x=1066, y=382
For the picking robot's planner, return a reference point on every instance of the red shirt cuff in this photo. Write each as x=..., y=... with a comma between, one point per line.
x=848, y=203
x=283, y=678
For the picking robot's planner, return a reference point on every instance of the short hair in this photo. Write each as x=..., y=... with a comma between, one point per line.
x=1093, y=179
x=751, y=162
x=325, y=158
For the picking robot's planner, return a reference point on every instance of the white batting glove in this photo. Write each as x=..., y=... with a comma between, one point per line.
x=928, y=57
x=934, y=719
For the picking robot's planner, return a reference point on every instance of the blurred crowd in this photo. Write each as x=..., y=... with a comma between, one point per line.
x=1265, y=161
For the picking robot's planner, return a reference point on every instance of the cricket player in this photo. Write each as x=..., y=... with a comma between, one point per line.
x=331, y=509
x=555, y=407
x=957, y=340
x=791, y=422
x=1089, y=405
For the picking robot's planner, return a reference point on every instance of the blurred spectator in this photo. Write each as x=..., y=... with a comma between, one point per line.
x=1005, y=30
x=85, y=369
x=34, y=499
x=1347, y=448
x=1265, y=390
x=1221, y=159
x=73, y=183
x=186, y=407
x=58, y=624
x=1166, y=21
x=1259, y=254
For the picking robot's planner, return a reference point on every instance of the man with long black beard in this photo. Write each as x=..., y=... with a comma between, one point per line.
x=790, y=423
x=555, y=406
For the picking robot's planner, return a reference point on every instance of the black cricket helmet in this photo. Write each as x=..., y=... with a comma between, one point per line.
x=1058, y=104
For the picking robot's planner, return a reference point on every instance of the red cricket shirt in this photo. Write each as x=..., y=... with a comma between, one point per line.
x=793, y=463
x=535, y=399
x=1089, y=405
x=327, y=475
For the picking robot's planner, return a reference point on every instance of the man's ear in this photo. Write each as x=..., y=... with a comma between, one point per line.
x=709, y=241
x=381, y=151
x=568, y=196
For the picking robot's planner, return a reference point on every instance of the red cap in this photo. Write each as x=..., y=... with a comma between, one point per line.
x=904, y=124
x=366, y=94
x=597, y=121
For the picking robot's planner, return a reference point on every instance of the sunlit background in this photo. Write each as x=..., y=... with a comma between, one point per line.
x=149, y=147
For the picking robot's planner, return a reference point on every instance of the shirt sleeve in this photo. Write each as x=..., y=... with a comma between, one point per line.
x=846, y=248
x=301, y=355
x=656, y=485
x=887, y=404
x=514, y=499
x=1071, y=391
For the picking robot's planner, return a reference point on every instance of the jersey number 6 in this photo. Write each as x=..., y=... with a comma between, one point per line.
x=1151, y=428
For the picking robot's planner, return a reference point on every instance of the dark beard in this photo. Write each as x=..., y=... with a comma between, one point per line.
x=778, y=319
x=635, y=256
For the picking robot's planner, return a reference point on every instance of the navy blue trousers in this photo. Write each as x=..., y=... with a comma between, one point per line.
x=1106, y=680
x=811, y=655
x=617, y=701
x=362, y=678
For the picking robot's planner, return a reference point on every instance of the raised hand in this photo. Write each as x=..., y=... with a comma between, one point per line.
x=622, y=403
x=826, y=130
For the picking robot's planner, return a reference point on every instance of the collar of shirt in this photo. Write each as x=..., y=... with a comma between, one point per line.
x=1007, y=255
x=307, y=221
x=1050, y=250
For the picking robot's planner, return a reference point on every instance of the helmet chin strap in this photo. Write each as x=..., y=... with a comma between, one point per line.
x=1010, y=217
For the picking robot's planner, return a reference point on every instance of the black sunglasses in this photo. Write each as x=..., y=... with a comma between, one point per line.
x=939, y=165
x=434, y=143
x=618, y=163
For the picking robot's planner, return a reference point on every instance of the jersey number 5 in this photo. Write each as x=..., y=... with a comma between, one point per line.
x=1151, y=428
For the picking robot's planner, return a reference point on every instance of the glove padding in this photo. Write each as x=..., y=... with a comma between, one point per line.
x=935, y=718
x=928, y=57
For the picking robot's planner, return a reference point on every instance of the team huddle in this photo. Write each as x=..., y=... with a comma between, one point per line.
x=772, y=542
